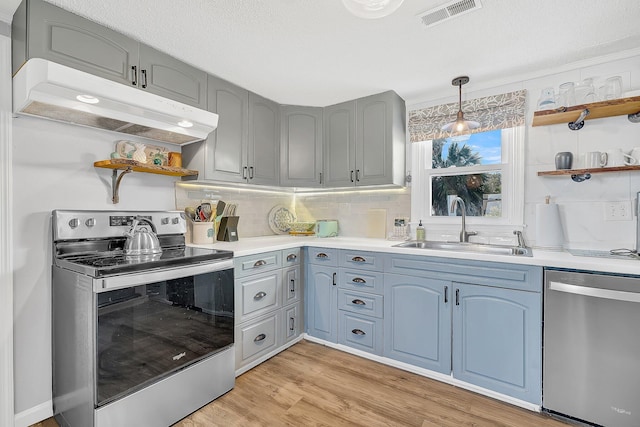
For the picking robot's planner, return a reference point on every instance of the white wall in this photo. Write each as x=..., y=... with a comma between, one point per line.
x=53, y=169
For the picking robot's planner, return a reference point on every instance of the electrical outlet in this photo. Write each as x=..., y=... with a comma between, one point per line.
x=618, y=211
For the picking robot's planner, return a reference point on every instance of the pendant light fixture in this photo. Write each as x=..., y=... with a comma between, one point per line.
x=460, y=125
x=372, y=9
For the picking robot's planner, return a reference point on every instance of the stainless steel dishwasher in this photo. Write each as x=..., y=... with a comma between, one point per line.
x=591, y=365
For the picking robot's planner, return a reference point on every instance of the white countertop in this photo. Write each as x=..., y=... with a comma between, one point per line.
x=254, y=245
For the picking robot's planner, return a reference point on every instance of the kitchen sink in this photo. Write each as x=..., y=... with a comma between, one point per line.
x=468, y=247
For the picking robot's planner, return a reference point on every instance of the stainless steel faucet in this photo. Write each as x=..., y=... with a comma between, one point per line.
x=464, y=234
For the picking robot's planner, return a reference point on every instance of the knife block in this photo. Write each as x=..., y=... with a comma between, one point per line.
x=228, y=230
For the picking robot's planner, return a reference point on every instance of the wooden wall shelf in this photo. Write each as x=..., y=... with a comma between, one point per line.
x=127, y=166
x=585, y=171
x=597, y=110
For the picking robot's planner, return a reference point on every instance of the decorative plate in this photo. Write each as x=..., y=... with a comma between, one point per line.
x=280, y=219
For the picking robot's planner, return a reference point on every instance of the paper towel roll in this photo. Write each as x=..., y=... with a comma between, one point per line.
x=549, y=233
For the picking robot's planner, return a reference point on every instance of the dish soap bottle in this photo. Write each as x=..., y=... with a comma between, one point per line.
x=420, y=232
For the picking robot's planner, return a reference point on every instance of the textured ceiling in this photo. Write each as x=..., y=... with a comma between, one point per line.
x=313, y=52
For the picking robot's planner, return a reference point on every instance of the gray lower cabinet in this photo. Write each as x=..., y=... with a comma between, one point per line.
x=301, y=146
x=244, y=148
x=417, y=325
x=268, y=308
x=321, y=296
x=42, y=30
x=364, y=141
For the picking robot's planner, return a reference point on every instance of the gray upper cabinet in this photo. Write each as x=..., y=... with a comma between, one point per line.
x=244, y=148
x=301, y=146
x=264, y=141
x=42, y=30
x=364, y=141
x=339, y=144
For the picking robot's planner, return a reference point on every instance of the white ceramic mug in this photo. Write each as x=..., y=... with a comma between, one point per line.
x=595, y=159
x=634, y=156
x=617, y=157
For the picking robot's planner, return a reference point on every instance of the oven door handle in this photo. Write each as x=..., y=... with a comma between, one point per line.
x=594, y=292
x=127, y=280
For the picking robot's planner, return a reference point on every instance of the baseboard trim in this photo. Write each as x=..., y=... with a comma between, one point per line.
x=428, y=374
x=34, y=415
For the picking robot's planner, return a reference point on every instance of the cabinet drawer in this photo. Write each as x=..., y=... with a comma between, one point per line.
x=258, y=263
x=361, y=280
x=291, y=285
x=497, y=274
x=291, y=257
x=258, y=294
x=361, y=259
x=363, y=333
x=360, y=302
x=292, y=322
x=256, y=338
x=323, y=256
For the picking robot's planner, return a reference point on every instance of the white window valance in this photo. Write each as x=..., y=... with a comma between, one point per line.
x=502, y=111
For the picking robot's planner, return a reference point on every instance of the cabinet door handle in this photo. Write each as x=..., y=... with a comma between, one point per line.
x=322, y=255
x=244, y=172
x=259, y=295
x=320, y=179
x=134, y=75
x=334, y=278
x=259, y=338
x=144, y=79
x=352, y=176
x=250, y=172
x=358, y=280
x=446, y=294
x=292, y=323
x=292, y=288
x=358, y=332
x=260, y=263
x=358, y=259
x=357, y=175
x=292, y=257
x=457, y=296
x=358, y=302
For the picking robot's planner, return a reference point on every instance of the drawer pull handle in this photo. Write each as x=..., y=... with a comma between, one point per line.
x=358, y=332
x=292, y=257
x=358, y=259
x=292, y=288
x=259, y=338
x=358, y=280
x=260, y=263
x=358, y=302
x=292, y=323
x=322, y=255
x=259, y=295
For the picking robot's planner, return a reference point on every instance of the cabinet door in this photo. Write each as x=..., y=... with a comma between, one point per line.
x=417, y=321
x=340, y=145
x=226, y=147
x=264, y=141
x=291, y=285
x=321, y=298
x=166, y=76
x=292, y=322
x=301, y=146
x=380, y=139
x=60, y=36
x=497, y=340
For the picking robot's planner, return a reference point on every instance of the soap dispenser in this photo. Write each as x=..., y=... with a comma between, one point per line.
x=420, y=232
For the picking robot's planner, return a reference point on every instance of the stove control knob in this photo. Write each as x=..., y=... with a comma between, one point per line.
x=164, y=221
x=73, y=223
x=175, y=220
x=90, y=222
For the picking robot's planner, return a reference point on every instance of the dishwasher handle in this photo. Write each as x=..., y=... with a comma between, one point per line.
x=594, y=292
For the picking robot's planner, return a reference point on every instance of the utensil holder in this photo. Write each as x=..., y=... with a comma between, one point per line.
x=202, y=232
x=228, y=230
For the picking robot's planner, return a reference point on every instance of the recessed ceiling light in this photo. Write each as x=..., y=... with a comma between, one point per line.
x=87, y=99
x=185, y=124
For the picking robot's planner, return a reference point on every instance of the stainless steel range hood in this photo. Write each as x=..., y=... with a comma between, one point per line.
x=46, y=89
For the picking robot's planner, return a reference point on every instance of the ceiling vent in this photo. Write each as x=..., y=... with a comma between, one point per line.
x=447, y=11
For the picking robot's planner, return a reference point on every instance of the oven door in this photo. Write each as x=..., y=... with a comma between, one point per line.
x=150, y=325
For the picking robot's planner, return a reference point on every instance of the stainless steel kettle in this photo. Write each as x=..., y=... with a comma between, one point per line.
x=141, y=241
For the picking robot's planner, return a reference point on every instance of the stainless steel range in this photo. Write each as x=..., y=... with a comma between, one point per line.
x=142, y=324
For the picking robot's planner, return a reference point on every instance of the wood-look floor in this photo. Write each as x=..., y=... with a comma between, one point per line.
x=313, y=385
